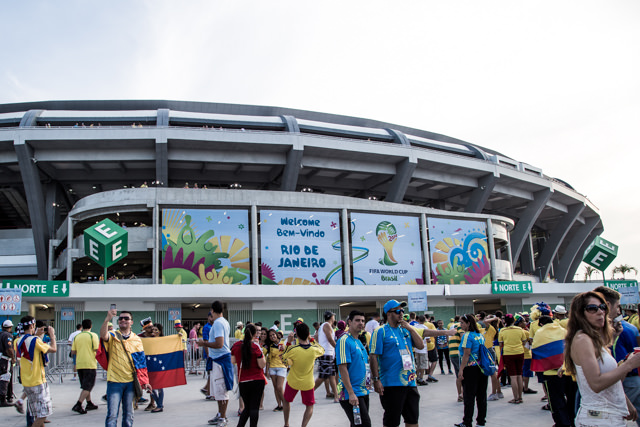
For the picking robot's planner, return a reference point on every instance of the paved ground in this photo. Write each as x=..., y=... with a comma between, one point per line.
x=185, y=406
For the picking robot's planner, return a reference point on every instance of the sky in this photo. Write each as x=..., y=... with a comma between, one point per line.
x=550, y=83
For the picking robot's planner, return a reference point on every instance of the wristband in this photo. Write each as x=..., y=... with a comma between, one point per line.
x=376, y=378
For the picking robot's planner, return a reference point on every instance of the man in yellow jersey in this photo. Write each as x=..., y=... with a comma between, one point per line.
x=126, y=361
x=33, y=357
x=84, y=347
x=300, y=357
x=454, y=355
x=432, y=353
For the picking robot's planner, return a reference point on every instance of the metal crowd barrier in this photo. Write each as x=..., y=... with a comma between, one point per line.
x=60, y=366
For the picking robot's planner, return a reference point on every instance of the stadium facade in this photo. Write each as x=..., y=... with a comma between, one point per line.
x=295, y=212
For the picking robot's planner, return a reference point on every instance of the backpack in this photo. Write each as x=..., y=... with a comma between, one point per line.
x=486, y=361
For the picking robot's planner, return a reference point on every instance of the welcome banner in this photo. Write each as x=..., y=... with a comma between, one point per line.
x=386, y=250
x=300, y=248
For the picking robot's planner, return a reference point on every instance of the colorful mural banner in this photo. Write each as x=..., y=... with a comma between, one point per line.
x=205, y=246
x=300, y=248
x=459, y=253
x=386, y=250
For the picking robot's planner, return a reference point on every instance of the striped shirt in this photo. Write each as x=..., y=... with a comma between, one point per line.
x=454, y=341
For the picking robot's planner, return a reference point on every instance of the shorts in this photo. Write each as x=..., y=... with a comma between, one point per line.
x=526, y=369
x=308, y=396
x=433, y=355
x=400, y=401
x=39, y=400
x=455, y=361
x=326, y=366
x=421, y=361
x=278, y=372
x=588, y=418
x=513, y=364
x=87, y=378
x=217, y=386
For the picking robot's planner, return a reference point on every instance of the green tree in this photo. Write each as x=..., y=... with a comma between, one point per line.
x=588, y=271
x=623, y=269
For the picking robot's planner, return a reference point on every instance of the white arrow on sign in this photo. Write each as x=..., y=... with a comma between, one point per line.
x=64, y=288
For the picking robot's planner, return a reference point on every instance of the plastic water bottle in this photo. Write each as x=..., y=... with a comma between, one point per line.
x=356, y=416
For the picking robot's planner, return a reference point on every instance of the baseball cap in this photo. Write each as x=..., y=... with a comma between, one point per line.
x=144, y=322
x=560, y=309
x=7, y=324
x=393, y=304
x=239, y=324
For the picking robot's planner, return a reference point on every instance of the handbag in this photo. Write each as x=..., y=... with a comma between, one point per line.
x=137, y=388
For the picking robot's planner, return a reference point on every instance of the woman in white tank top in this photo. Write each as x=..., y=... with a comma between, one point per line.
x=603, y=402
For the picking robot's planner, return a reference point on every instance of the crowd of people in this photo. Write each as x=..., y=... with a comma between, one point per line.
x=584, y=358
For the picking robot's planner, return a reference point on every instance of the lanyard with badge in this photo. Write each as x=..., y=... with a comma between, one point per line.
x=365, y=360
x=405, y=354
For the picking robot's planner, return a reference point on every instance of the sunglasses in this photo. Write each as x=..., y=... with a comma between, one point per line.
x=398, y=311
x=593, y=308
x=124, y=318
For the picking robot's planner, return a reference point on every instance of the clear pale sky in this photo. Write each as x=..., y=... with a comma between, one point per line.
x=551, y=83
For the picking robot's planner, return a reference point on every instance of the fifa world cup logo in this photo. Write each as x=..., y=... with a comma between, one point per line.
x=387, y=236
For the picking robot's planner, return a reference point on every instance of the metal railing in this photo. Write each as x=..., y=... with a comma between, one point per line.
x=60, y=366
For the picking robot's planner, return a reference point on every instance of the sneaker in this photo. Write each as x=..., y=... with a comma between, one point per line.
x=19, y=405
x=500, y=395
x=450, y=372
x=461, y=425
x=143, y=400
x=432, y=379
x=442, y=372
x=215, y=420
x=203, y=391
x=420, y=381
x=493, y=397
x=104, y=397
x=90, y=407
x=529, y=391
x=78, y=408
x=209, y=398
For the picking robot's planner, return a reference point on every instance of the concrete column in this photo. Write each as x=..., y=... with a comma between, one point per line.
x=401, y=180
x=162, y=162
x=572, y=250
x=492, y=249
x=526, y=221
x=255, y=271
x=35, y=201
x=345, y=225
x=527, y=264
x=481, y=194
x=557, y=236
x=578, y=259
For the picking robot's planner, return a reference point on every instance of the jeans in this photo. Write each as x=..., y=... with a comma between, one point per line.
x=158, y=396
x=118, y=393
x=632, y=390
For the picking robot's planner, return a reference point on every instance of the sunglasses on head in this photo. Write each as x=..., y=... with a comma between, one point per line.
x=124, y=318
x=593, y=308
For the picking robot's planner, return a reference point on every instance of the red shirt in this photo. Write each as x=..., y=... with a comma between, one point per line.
x=253, y=372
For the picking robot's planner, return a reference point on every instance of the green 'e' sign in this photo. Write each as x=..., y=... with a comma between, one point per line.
x=106, y=243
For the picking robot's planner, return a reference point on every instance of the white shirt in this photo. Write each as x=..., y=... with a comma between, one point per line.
x=371, y=326
x=329, y=350
x=73, y=335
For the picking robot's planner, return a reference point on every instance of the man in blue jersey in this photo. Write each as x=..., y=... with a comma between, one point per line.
x=393, y=367
x=353, y=367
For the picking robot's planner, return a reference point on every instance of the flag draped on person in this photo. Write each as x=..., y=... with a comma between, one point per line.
x=165, y=361
x=547, y=350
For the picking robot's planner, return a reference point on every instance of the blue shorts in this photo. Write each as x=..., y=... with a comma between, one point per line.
x=526, y=369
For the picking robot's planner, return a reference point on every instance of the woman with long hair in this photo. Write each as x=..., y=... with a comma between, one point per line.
x=474, y=382
x=276, y=369
x=512, y=339
x=247, y=354
x=586, y=354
